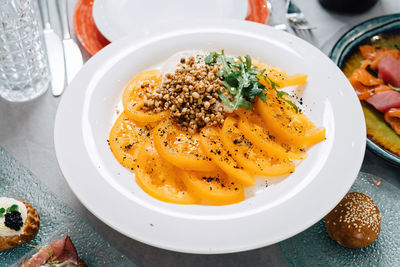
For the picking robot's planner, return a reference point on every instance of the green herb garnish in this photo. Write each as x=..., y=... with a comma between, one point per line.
x=282, y=95
x=51, y=263
x=394, y=88
x=241, y=79
x=12, y=208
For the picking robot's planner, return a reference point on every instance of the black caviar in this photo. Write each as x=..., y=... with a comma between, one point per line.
x=13, y=220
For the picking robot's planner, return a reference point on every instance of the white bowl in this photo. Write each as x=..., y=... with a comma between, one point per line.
x=87, y=111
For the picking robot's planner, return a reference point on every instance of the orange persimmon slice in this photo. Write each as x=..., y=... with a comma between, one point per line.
x=160, y=179
x=212, y=146
x=285, y=124
x=180, y=148
x=134, y=92
x=134, y=112
x=250, y=157
x=276, y=75
x=292, y=80
x=133, y=97
x=279, y=76
x=124, y=137
x=251, y=125
x=214, y=188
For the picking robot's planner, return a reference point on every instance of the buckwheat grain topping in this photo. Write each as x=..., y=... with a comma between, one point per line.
x=191, y=96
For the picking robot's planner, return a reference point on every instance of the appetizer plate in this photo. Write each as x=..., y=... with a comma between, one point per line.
x=269, y=214
x=379, y=31
x=116, y=20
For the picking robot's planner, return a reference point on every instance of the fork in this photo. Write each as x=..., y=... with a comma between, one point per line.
x=296, y=18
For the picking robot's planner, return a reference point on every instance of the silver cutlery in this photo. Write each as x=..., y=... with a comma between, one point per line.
x=55, y=53
x=296, y=18
x=72, y=53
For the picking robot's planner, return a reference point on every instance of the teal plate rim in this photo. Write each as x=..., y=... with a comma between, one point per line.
x=354, y=37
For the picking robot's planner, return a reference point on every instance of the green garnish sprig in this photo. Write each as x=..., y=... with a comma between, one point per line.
x=10, y=209
x=241, y=79
x=394, y=88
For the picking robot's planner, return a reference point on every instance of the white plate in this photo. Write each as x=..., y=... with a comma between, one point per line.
x=116, y=19
x=109, y=190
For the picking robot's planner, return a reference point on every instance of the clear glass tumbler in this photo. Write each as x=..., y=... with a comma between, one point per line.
x=24, y=71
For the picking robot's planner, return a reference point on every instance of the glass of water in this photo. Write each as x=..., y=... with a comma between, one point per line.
x=24, y=71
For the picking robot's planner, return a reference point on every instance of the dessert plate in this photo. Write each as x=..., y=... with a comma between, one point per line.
x=116, y=20
x=269, y=214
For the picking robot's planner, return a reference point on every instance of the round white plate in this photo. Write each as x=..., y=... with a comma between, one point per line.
x=87, y=111
x=116, y=19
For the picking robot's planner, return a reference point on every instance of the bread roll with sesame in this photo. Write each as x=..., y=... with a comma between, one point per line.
x=355, y=222
x=19, y=223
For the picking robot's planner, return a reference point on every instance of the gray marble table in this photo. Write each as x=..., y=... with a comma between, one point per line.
x=26, y=131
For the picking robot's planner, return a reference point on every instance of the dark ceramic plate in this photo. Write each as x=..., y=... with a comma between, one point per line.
x=380, y=31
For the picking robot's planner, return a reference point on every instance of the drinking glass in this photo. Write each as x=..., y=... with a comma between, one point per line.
x=24, y=71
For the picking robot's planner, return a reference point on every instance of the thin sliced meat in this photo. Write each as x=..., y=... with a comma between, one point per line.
x=392, y=52
x=365, y=84
x=61, y=250
x=375, y=55
x=383, y=101
x=38, y=259
x=364, y=77
x=368, y=52
x=389, y=70
x=392, y=116
x=365, y=92
x=69, y=252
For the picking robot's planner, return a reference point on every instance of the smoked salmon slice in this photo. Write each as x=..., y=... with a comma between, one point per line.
x=365, y=84
x=392, y=116
x=374, y=55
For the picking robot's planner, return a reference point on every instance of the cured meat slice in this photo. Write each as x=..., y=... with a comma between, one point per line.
x=389, y=70
x=392, y=116
x=383, y=101
x=61, y=250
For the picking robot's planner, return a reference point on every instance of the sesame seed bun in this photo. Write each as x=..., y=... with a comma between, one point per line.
x=355, y=222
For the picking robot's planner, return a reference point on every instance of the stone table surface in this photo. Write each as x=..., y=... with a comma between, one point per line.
x=26, y=131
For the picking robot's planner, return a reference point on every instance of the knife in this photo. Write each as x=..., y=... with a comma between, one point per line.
x=55, y=53
x=72, y=53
